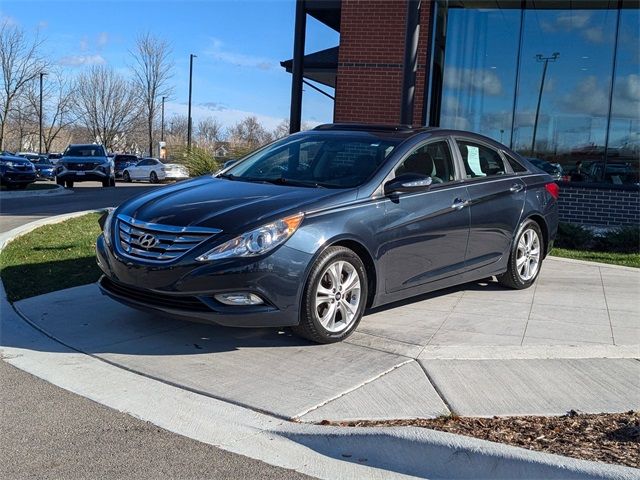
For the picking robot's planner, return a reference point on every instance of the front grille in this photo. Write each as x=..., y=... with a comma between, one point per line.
x=152, y=298
x=156, y=242
x=82, y=167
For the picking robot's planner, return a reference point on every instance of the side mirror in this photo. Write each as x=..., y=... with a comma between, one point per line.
x=408, y=182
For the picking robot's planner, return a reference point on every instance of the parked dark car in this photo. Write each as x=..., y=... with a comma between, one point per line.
x=122, y=161
x=54, y=157
x=16, y=172
x=314, y=228
x=553, y=169
x=44, y=168
x=81, y=163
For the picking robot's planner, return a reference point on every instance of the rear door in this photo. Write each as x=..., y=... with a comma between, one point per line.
x=496, y=200
x=424, y=235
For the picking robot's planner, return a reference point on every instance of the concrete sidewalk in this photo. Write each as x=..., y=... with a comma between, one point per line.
x=571, y=342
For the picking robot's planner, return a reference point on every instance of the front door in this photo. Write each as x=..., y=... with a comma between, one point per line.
x=425, y=234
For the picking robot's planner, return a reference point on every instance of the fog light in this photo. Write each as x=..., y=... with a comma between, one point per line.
x=239, y=298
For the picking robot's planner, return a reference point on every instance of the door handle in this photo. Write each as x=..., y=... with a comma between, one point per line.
x=516, y=187
x=459, y=204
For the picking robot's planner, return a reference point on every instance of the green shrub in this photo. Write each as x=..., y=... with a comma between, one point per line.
x=623, y=240
x=573, y=237
x=199, y=161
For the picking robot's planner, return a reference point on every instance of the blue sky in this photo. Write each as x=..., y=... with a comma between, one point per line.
x=239, y=45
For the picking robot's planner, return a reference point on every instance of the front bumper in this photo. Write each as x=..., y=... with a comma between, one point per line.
x=185, y=288
x=9, y=177
x=46, y=174
x=77, y=176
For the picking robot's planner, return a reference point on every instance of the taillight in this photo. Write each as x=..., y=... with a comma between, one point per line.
x=553, y=189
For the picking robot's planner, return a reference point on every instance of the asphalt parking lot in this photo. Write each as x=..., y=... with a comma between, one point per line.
x=86, y=196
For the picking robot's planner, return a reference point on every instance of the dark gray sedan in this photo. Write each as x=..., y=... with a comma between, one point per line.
x=313, y=229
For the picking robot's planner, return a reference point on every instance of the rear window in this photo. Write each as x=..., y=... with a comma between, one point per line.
x=516, y=166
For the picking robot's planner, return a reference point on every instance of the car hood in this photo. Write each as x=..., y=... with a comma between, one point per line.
x=15, y=160
x=83, y=160
x=41, y=166
x=231, y=205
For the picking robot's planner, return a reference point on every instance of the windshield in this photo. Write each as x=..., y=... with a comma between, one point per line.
x=316, y=160
x=85, y=151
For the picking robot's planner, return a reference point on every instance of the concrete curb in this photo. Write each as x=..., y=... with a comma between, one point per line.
x=593, y=264
x=51, y=192
x=321, y=451
x=7, y=237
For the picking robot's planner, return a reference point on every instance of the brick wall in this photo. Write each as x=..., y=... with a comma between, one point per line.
x=370, y=63
x=601, y=206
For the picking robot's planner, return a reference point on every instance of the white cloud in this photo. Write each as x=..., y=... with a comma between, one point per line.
x=78, y=60
x=103, y=39
x=592, y=98
x=481, y=80
x=594, y=34
x=42, y=24
x=84, y=44
x=217, y=51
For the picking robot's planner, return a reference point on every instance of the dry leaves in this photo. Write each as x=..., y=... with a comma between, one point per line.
x=605, y=437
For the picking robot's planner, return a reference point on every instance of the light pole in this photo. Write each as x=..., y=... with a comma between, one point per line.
x=162, y=121
x=545, y=60
x=191, y=57
x=42, y=74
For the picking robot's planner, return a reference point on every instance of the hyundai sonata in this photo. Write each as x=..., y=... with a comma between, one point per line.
x=311, y=230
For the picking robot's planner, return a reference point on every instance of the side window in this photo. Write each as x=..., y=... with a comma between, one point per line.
x=433, y=160
x=516, y=166
x=480, y=161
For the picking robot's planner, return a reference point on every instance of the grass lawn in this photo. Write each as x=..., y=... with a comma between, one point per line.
x=50, y=258
x=33, y=186
x=626, y=259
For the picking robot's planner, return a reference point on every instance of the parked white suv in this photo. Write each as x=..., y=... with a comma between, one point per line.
x=154, y=171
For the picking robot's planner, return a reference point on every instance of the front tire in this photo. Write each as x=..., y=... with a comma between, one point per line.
x=335, y=297
x=526, y=257
x=69, y=183
x=126, y=177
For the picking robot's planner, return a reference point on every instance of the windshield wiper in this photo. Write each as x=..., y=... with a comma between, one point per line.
x=293, y=183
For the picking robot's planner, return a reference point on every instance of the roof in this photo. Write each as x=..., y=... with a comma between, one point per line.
x=321, y=66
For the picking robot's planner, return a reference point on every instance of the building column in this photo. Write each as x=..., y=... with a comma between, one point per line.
x=410, y=64
x=295, y=117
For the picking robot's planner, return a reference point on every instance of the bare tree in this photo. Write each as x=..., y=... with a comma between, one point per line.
x=107, y=104
x=21, y=132
x=282, y=129
x=209, y=133
x=57, y=99
x=21, y=62
x=249, y=134
x=177, y=130
x=152, y=72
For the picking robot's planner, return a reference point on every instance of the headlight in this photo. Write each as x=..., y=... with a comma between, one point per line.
x=6, y=163
x=256, y=242
x=106, y=229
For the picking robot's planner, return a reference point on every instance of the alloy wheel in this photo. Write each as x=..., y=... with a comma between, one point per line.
x=338, y=296
x=528, y=255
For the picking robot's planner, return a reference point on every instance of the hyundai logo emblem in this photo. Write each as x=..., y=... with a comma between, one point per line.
x=147, y=241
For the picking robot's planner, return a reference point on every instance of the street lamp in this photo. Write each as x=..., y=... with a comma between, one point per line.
x=540, y=58
x=42, y=74
x=162, y=121
x=191, y=57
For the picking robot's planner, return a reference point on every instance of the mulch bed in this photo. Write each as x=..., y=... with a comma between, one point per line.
x=605, y=437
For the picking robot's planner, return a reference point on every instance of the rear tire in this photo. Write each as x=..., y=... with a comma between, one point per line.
x=69, y=184
x=526, y=257
x=334, y=298
x=153, y=177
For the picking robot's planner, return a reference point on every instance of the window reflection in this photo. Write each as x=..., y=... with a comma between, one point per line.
x=587, y=125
